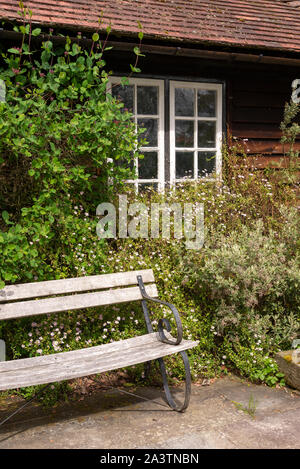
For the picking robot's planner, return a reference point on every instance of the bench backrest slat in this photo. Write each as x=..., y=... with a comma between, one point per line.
x=73, y=302
x=73, y=285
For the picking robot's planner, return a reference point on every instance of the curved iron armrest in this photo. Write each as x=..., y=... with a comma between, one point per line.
x=162, y=322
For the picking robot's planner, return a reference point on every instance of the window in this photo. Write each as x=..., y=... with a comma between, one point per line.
x=195, y=130
x=145, y=99
x=194, y=124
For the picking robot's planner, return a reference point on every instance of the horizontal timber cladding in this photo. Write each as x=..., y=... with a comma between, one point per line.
x=256, y=106
x=255, y=95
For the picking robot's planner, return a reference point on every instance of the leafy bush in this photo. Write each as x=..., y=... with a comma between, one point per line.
x=248, y=271
x=251, y=282
x=61, y=140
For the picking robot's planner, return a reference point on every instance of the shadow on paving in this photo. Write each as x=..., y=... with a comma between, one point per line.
x=230, y=413
x=98, y=401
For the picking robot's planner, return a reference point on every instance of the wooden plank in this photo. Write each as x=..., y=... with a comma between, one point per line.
x=25, y=363
x=73, y=302
x=84, y=362
x=254, y=98
x=271, y=147
x=262, y=162
x=263, y=83
x=73, y=285
x=255, y=130
x=264, y=115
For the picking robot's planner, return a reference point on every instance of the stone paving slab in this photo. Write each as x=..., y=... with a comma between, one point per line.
x=229, y=413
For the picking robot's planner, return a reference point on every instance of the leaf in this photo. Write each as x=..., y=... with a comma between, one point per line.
x=13, y=51
x=36, y=32
x=5, y=216
x=135, y=69
x=137, y=51
x=95, y=37
x=75, y=48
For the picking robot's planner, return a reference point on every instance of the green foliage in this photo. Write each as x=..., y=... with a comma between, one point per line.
x=248, y=272
x=64, y=143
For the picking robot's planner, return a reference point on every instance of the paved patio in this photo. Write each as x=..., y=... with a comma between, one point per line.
x=229, y=413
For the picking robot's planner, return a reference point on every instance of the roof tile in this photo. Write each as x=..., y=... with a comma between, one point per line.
x=272, y=24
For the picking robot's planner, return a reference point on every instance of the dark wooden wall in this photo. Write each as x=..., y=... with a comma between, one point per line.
x=255, y=94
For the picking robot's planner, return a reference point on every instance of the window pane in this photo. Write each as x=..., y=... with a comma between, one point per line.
x=150, y=134
x=148, y=166
x=124, y=94
x=206, y=134
x=147, y=98
x=184, y=164
x=184, y=102
x=207, y=103
x=184, y=133
x=206, y=163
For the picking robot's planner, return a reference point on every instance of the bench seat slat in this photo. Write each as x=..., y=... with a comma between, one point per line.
x=73, y=302
x=84, y=362
x=73, y=285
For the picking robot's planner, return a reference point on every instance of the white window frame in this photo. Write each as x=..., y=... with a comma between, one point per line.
x=219, y=127
x=160, y=180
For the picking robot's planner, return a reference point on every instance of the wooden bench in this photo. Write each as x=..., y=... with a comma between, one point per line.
x=19, y=301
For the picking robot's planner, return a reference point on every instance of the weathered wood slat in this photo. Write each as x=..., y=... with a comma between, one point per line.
x=63, y=362
x=73, y=302
x=72, y=285
x=84, y=362
x=24, y=363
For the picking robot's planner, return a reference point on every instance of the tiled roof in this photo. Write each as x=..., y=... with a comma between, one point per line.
x=272, y=24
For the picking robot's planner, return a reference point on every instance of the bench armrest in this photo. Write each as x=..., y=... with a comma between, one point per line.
x=164, y=322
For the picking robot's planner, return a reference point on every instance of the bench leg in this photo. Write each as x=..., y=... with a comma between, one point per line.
x=188, y=384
